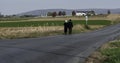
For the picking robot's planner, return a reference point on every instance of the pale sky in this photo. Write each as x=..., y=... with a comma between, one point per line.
x=19, y=6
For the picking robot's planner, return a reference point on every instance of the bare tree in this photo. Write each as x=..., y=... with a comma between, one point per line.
x=54, y=14
x=59, y=13
x=73, y=13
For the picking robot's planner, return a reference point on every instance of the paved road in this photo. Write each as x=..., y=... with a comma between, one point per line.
x=56, y=49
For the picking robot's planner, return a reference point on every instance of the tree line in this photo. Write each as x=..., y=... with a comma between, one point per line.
x=63, y=13
x=54, y=14
x=60, y=13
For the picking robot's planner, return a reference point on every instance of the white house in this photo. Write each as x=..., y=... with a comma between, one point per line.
x=80, y=13
x=83, y=13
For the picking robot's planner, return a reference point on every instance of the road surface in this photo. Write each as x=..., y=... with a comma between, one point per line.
x=56, y=49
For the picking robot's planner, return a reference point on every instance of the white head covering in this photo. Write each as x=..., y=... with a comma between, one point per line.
x=66, y=21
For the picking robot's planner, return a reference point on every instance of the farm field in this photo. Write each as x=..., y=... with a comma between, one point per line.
x=51, y=23
x=46, y=26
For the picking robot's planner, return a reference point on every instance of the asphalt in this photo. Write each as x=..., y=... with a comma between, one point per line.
x=56, y=49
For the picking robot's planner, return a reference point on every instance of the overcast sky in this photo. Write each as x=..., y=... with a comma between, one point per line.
x=19, y=6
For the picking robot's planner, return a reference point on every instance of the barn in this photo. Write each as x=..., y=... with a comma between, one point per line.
x=83, y=13
x=80, y=13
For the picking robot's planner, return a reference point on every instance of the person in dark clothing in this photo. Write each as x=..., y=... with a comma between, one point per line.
x=70, y=26
x=65, y=27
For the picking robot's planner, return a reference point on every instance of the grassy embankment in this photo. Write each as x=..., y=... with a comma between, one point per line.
x=108, y=53
x=27, y=29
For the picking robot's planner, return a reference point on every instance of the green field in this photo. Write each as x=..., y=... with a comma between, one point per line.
x=112, y=53
x=51, y=23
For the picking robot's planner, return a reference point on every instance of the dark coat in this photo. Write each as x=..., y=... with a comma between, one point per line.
x=70, y=24
x=65, y=25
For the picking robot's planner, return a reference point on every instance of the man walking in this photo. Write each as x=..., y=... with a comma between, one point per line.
x=70, y=26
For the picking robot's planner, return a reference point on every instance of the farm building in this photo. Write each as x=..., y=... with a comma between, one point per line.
x=80, y=13
x=83, y=13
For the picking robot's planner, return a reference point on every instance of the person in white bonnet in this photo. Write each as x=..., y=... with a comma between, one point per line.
x=66, y=21
x=65, y=26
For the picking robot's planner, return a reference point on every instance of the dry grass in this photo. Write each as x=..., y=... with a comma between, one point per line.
x=81, y=28
x=97, y=26
x=97, y=57
x=27, y=32
x=21, y=32
x=115, y=18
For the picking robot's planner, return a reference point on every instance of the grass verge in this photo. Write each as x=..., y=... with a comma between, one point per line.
x=108, y=53
x=28, y=32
